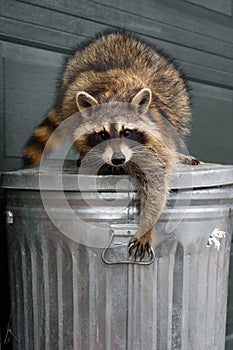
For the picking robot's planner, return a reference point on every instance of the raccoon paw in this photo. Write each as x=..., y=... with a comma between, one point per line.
x=194, y=161
x=140, y=246
x=190, y=160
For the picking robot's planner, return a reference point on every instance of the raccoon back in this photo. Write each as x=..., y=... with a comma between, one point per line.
x=117, y=65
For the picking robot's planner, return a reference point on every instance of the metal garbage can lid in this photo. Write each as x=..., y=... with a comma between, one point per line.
x=52, y=173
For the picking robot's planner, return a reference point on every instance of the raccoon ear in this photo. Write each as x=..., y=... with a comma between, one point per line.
x=85, y=100
x=142, y=99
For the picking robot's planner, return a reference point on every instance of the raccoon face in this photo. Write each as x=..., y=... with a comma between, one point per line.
x=111, y=130
x=116, y=143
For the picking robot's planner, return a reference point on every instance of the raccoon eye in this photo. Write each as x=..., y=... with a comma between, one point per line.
x=104, y=135
x=126, y=133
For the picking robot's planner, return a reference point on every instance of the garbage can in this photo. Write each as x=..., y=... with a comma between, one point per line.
x=73, y=285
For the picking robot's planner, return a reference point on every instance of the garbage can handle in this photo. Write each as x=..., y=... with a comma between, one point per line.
x=107, y=261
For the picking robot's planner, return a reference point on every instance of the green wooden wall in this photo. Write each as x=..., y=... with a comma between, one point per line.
x=36, y=36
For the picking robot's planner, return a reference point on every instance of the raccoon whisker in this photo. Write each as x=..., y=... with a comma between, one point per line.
x=139, y=147
x=93, y=162
x=93, y=155
x=141, y=152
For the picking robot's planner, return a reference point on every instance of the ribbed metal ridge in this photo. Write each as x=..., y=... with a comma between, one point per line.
x=48, y=177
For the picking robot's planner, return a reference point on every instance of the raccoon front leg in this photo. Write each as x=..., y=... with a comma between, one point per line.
x=153, y=201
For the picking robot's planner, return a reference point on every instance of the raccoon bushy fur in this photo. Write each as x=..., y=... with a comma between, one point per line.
x=134, y=106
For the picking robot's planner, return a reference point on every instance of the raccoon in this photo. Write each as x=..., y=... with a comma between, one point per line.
x=134, y=107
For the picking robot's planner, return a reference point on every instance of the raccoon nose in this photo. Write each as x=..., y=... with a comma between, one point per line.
x=118, y=158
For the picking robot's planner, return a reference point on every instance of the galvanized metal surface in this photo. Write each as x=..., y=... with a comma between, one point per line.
x=205, y=175
x=65, y=297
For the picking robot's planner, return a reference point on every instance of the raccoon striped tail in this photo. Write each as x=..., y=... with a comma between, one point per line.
x=34, y=148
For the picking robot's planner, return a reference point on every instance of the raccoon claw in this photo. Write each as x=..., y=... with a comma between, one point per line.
x=140, y=248
x=194, y=161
